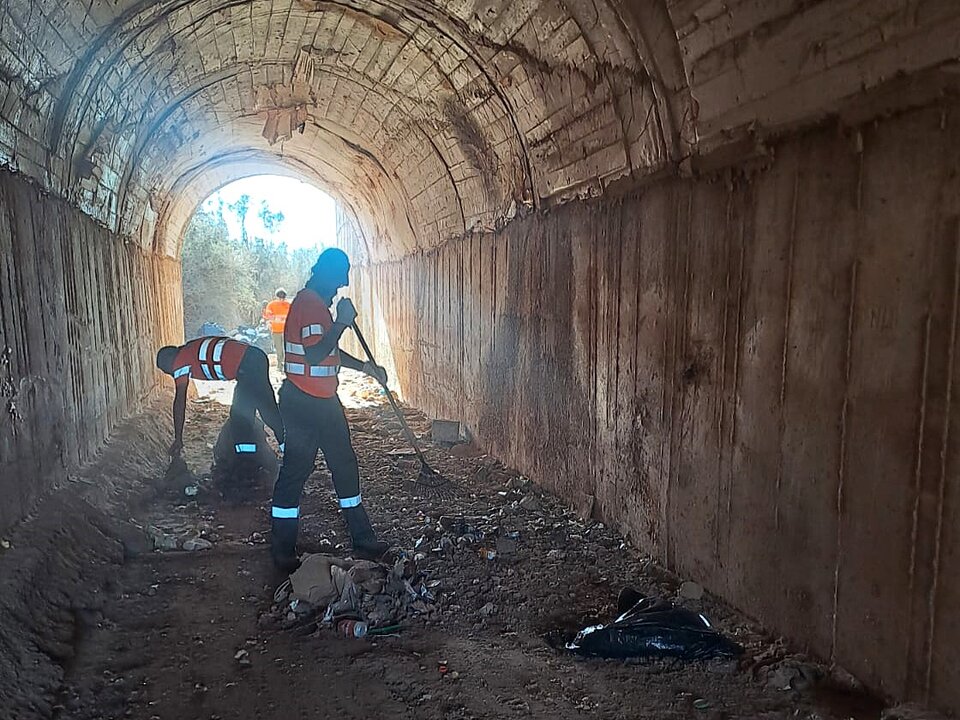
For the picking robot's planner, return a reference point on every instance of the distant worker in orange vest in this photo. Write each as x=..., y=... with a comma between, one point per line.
x=313, y=415
x=220, y=358
x=276, y=313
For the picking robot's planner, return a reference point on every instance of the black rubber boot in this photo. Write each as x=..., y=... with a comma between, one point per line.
x=283, y=544
x=362, y=536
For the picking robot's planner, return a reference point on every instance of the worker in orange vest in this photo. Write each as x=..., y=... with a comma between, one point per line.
x=220, y=358
x=275, y=313
x=312, y=413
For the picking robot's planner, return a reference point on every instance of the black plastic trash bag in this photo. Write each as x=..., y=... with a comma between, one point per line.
x=654, y=628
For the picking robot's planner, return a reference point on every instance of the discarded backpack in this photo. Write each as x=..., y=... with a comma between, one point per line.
x=654, y=628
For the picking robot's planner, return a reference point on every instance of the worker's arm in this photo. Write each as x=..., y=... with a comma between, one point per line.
x=365, y=366
x=316, y=354
x=349, y=361
x=346, y=315
x=179, y=415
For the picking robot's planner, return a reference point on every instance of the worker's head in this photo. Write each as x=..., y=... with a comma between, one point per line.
x=330, y=272
x=281, y=294
x=166, y=357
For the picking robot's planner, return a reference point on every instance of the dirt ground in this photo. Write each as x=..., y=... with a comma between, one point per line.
x=162, y=642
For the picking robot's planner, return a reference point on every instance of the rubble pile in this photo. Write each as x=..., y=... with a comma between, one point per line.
x=327, y=589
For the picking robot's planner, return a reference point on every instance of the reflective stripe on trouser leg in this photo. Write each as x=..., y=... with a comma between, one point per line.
x=282, y=513
x=350, y=501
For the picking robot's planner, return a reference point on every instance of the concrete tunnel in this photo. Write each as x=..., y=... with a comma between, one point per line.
x=693, y=263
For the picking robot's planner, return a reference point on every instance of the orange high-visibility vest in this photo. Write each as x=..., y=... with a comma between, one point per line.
x=309, y=320
x=276, y=312
x=208, y=358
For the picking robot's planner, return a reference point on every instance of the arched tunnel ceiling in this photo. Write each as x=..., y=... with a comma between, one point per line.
x=430, y=118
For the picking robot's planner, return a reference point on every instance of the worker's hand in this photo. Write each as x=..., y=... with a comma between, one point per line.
x=176, y=448
x=376, y=372
x=346, y=312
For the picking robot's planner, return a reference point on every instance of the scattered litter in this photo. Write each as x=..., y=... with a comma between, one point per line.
x=315, y=583
x=197, y=544
x=242, y=657
x=352, y=628
x=5, y=544
x=654, y=628
x=690, y=591
x=701, y=704
x=328, y=590
x=191, y=490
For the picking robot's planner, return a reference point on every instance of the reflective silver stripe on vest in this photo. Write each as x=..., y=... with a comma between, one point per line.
x=181, y=371
x=315, y=370
x=217, y=355
x=308, y=330
x=294, y=348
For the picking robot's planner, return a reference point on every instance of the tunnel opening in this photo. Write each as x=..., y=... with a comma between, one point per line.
x=246, y=241
x=689, y=266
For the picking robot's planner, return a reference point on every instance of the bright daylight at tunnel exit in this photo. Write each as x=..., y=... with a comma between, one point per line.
x=479, y=359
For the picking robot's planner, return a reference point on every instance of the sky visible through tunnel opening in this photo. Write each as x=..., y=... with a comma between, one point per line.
x=245, y=241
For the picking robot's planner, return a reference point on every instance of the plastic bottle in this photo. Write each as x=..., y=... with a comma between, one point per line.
x=352, y=628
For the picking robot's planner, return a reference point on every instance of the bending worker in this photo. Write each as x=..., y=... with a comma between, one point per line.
x=276, y=314
x=312, y=413
x=220, y=358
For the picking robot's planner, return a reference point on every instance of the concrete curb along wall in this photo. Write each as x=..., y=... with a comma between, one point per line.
x=81, y=315
x=754, y=378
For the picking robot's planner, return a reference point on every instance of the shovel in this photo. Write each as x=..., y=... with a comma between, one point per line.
x=428, y=479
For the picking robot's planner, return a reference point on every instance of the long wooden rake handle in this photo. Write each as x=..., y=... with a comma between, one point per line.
x=396, y=408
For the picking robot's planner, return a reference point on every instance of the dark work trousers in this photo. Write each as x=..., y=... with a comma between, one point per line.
x=254, y=394
x=311, y=424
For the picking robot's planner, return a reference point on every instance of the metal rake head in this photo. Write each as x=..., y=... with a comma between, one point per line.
x=433, y=483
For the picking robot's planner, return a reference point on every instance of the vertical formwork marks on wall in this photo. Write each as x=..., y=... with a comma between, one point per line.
x=753, y=376
x=79, y=314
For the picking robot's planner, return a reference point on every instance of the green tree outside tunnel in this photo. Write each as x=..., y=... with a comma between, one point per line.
x=226, y=280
